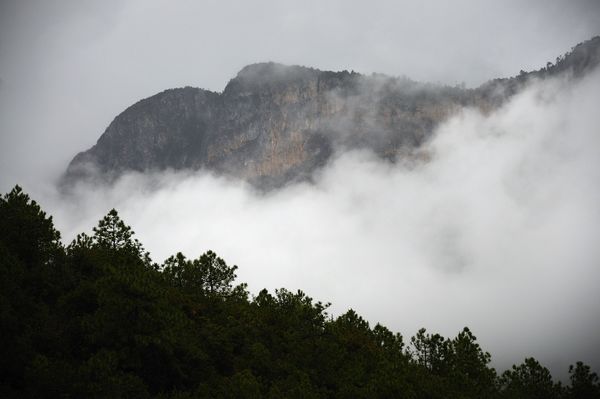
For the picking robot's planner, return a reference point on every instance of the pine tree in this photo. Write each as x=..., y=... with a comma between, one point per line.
x=208, y=274
x=26, y=230
x=584, y=383
x=114, y=235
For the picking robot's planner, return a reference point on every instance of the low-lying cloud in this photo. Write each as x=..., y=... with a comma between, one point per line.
x=497, y=231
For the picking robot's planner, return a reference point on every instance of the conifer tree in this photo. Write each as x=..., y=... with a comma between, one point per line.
x=114, y=235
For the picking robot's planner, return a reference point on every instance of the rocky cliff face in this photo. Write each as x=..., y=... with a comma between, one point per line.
x=275, y=124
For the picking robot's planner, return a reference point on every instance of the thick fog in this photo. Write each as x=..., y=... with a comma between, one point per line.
x=498, y=231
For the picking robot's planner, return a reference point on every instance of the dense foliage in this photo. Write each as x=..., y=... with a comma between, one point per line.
x=98, y=319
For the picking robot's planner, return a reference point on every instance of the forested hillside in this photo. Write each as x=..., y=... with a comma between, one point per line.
x=98, y=318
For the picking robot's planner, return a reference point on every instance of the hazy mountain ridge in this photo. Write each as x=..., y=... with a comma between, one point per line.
x=273, y=124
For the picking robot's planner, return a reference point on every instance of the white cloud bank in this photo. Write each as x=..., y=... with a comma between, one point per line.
x=499, y=231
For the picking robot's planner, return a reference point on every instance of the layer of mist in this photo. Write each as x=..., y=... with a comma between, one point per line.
x=497, y=230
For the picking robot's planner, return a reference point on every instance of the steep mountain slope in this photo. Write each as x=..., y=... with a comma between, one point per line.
x=274, y=124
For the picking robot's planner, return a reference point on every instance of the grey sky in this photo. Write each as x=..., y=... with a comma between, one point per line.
x=444, y=246
x=67, y=67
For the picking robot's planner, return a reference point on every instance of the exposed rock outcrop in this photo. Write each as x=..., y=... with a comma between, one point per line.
x=274, y=124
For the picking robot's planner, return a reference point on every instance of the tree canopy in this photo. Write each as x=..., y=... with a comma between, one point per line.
x=98, y=319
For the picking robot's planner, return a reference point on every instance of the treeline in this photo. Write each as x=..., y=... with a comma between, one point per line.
x=99, y=319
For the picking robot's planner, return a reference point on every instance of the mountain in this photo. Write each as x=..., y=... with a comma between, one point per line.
x=274, y=124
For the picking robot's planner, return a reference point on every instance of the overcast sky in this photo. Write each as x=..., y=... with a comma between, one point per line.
x=498, y=232
x=68, y=67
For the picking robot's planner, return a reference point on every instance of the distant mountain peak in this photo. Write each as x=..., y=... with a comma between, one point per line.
x=269, y=70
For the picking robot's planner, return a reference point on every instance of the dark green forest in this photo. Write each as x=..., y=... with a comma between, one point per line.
x=98, y=318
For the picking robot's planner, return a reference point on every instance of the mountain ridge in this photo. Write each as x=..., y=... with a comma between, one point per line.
x=274, y=124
